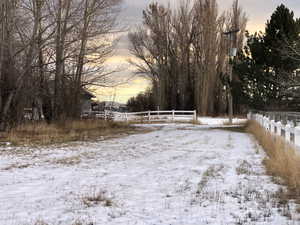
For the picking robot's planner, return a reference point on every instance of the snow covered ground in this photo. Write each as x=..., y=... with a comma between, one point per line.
x=219, y=121
x=178, y=174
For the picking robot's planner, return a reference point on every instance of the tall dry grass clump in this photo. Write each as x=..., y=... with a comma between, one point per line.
x=282, y=159
x=42, y=133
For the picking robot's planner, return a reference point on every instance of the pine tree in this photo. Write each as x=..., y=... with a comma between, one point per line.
x=282, y=29
x=264, y=69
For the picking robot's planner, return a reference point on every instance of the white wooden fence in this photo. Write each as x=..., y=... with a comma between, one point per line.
x=288, y=129
x=173, y=115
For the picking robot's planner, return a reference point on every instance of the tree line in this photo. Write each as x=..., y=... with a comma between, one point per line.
x=49, y=51
x=184, y=53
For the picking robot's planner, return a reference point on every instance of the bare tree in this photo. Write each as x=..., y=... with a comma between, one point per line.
x=18, y=52
x=49, y=50
x=183, y=52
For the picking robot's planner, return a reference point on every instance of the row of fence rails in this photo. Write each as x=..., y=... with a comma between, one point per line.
x=284, y=124
x=159, y=116
x=105, y=115
x=156, y=116
x=171, y=115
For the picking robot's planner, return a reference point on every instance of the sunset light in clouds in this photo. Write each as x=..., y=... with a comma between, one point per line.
x=257, y=11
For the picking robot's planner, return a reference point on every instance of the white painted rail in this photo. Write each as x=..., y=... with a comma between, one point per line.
x=287, y=129
x=171, y=115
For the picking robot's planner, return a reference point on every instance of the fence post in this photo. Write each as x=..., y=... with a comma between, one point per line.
x=297, y=136
x=288, y=132
x=249, y=116
x=278, y=128
x=126, y=117
x=195, y=116
x=267, y=124
x=149, y=114
x=264, y=121
x=105, y=115
x=173, y=115
x=272, y=126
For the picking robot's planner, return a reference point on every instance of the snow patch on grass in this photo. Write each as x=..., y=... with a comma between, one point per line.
x=179, y=174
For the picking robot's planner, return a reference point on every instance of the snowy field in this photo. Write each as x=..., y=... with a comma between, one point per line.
x=178, y=174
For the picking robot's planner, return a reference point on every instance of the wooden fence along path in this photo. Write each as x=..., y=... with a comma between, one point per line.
x=284, y=124
x=173, y=115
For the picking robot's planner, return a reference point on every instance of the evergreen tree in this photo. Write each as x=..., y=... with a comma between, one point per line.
x=254, y=85
x=263, y=69
x=282, y=29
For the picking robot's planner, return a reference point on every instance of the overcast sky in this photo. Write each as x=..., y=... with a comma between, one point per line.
x=258, y=12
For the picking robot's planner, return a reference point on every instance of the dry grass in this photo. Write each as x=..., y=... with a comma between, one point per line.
x=282, y=159
x=40, y=222
x=69, y=161
x=77, y=222
x=211, y=173
x=97, y=198
x=44, y=134
x=244, y=168
x=17, y=166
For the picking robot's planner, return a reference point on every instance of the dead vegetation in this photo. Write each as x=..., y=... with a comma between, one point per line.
x=244, y=168
x=282, y=159
x=68, y=161
x=97, y=198
x=41, y=133
x=76, y=222
x=17, y=166
x=211, y=173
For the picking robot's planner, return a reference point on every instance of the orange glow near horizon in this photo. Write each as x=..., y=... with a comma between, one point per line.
x=138, y=84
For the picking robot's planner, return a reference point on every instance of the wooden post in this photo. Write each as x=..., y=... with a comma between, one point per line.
x=288, y=132
x=278, y=128
x=173, y=115
x=149, y=114
x=126, y=117
x=195, y=116
x=297, y=136
x=273, y=124
x=105, y=115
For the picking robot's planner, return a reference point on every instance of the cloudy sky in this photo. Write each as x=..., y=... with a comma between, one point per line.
x=258, y=11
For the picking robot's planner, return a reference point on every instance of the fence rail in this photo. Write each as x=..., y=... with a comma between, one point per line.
x=284, y=124
x=171, y=115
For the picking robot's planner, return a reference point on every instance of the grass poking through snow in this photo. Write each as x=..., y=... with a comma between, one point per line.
x=97, y=198
x=282, y=159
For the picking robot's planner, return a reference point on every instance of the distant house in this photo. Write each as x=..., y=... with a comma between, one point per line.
x=86, y=101
x=34, y=111
x=109, y=105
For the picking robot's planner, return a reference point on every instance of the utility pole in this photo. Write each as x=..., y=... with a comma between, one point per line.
x=232, y=52
x=2, y=19
x=232, y=34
